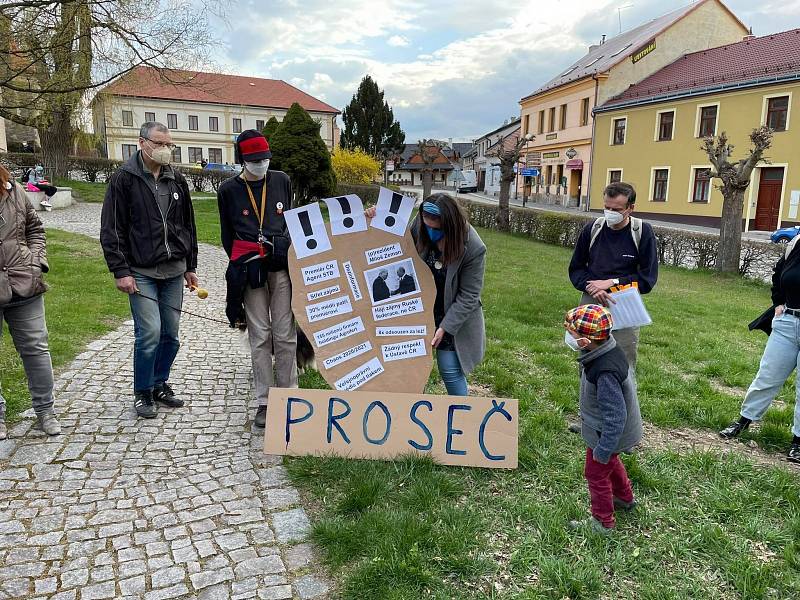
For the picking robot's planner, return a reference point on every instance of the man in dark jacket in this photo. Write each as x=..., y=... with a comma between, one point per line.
x=380, y=291
x=406, y=285
x=615, y=250
x=255, y=237
x=149, y=240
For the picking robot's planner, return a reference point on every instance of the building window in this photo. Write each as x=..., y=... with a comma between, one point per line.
x=128, y=150
x=615, y=176
x=777, y=113
x=585, y=111
x=702, y=185
x=666, y=122
x=551, y=119
x=259, y=124
x=215, y=155
x=195, y=155
x=708, y=121
x=237, y=125
x=127, y=118
x=176, y=154
x=527, y=125
x=172, y=121
x=541, y=121
x=149, y=117
x=193, y=123
x=213, y=123
x=660, y=181
x=618, y=134
x=562, y=121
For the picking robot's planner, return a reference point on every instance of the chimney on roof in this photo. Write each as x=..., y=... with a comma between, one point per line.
x=603, y=40
x=749, y=36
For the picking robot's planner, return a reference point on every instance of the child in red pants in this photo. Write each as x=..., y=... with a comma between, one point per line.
x=610, y=418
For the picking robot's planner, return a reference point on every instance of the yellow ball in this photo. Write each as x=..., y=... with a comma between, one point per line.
x=202, y=293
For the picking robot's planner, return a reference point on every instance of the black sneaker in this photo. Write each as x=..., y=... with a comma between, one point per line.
x=734, y=429
x=794, y=453
x=145, y=407
x=622, y=505
x=261, y=417
x=164, y=394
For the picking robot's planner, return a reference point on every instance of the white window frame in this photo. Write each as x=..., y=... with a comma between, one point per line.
x=621, y=174
x=653, y=184
x=699, y=113
x=765, y=103
x=690, y=195
x=133, y=117
x=611, y=133
x=674, y=112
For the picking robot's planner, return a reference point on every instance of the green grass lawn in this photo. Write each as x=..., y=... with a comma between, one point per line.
x=83, y=190
x=81, y=305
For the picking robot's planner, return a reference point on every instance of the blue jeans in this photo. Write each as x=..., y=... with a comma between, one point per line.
x=450, y=369
x=155, y=328
x=780, y=358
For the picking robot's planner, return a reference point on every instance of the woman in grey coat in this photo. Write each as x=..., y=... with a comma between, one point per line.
x=456, y=256
x=23, y=259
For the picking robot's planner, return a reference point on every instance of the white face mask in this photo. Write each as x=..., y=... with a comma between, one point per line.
x=162, y=155
x=571, y=341
x=613, y=217
x=257, y=168
x=8, y=185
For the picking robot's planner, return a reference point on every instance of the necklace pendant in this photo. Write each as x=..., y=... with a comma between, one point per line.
x=438, y=264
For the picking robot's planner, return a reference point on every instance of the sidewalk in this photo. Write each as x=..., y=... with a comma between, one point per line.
x=185, y=505
x=757, y=236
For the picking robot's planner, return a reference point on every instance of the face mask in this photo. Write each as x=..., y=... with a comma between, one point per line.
x=613, y=217
x=162, y=156
x=571, y=342
x=258, y=168
x=434, y=234
x=8, y=185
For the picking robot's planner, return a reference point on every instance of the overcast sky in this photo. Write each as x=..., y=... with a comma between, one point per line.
x=449, y=68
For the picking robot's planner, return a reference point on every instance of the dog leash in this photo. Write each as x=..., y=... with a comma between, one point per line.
x=182, y=311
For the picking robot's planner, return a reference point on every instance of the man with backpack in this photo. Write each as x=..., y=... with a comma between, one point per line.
x=615, y=251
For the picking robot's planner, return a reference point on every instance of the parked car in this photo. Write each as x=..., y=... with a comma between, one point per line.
x=785, y=234
x=468, y=181
x=222, y=167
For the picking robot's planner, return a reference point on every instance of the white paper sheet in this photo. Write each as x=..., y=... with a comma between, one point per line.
x=350, y=274
x=404, y=350
x=629, y=310
x=323, y=293
x=329, y=308
x=337, y=359
x=355, y=379
x=401, y=330
x=397, y=309
x=307, y=230
x=346, y=214
x=392, y=212
x=377, y=255
x=337, y=332
x=315, y=274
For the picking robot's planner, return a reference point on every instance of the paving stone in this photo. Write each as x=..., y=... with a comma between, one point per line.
x=291, y=525
x=99, y=591
x=299, y=557
x=278, y=592
x=167, y=577
x=215, y=592
x=259, y=566
x=310, y=586
x=176, y=591
x=133, y=586
x=206, y=578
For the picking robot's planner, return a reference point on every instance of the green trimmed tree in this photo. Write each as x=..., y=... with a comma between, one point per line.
x=271, y=127
x=298, y=150
x=369, y=123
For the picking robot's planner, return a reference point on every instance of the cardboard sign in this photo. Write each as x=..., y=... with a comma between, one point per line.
x=370, y=284
x=453, y=430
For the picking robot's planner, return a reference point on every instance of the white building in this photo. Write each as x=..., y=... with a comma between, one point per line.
x=482, y=163
x=204, y=111
x=3, y=142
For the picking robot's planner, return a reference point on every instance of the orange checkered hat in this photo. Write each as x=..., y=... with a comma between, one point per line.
x=590, y=321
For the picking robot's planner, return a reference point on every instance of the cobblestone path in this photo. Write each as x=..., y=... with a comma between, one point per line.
x=182, y=506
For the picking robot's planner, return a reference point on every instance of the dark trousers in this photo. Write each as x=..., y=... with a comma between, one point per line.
x=606, y=482
x=49, y=190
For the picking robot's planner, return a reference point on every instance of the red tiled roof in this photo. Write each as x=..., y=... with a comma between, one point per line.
x=762, y=58
x=189, y=86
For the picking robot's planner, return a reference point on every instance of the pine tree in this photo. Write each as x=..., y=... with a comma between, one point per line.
x=369, y=123
x=298, y=149
x=271, y=127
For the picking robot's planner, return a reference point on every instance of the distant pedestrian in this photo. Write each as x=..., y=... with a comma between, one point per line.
x=150, y=243
x=23, y=259
x=782, y=352
x=35, y=181
x=615, y=250
x=610, y=418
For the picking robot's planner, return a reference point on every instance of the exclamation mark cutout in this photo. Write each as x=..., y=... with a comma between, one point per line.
x=345, y=204
x=305, y=223
x=393, y=208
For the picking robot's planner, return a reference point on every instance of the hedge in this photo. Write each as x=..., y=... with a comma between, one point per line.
x=676, y=247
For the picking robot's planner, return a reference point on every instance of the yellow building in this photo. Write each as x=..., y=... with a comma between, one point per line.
x=559, y=113
x=651, y=134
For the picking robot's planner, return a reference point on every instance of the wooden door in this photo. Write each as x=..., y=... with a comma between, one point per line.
x=769, y=198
